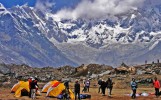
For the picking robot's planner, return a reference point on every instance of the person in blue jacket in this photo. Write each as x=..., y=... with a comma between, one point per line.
x=134, y=87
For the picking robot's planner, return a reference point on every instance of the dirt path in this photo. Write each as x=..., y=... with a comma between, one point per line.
x=117, y=94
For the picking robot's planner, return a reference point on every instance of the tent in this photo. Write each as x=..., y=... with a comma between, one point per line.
x=57, y=89
x=21, y=88
x=16, y=86
x=24, y=87
x=48, y=85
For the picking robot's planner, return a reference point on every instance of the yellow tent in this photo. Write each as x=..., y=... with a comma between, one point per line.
x=55, y=91
x=16, y=86
x=20, y=87
x=48, y=85
x=23, y=87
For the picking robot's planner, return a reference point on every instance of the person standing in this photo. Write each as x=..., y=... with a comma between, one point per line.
x=84, y=86
x=33, y=89
x=30, y=80
x=133, y=87
x=87, y=84
x=66, y=91
x=77, y=89
x=99, y=83
x=156, y=84
x=103, y=87
x=37, y=86
x=109, y=86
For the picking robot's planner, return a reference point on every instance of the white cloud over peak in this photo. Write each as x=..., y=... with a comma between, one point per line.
x=93, y=9
x=44, y=5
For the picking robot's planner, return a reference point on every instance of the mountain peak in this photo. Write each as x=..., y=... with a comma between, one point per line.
x=3, y=10
x=2, y=7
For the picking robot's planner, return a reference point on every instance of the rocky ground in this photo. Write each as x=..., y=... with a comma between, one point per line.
x=117, y=93
x=144, y=74
x=13, y=72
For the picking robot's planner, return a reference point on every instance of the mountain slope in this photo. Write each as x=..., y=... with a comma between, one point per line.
x=22, y=42
x=40, y=39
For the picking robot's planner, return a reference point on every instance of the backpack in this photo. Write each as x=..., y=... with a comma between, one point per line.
x=87, y=83
x=60, y=97
x=85, y=96
x=109, y=84
x=99, y=82
x=82, y=96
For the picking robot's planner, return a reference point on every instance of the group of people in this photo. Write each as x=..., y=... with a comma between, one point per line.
x=134, y=87
x=102, y=87
x=86, y=84
x=33, y=86
x=105, y=84
x=109, y=85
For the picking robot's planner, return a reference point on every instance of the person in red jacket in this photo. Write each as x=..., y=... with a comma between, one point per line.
x=30, y=80
x=156, y=84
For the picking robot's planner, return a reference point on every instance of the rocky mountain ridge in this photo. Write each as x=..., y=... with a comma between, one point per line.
x=21, y=42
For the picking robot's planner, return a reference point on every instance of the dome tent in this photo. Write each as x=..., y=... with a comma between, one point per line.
x=58, y=88
x=21, y=88
x=16, y=86
x=48, y=85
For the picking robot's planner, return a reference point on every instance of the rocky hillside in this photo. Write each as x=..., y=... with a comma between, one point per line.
x=93, y=71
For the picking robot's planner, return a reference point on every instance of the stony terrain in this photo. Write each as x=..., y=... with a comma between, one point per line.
x=118, y=94
x=10, y=72
x=144, y=74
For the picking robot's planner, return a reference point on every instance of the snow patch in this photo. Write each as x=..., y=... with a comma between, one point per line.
x=154, y=45
x=3, y=10
x=133, y=16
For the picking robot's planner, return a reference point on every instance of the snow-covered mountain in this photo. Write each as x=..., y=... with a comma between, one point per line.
x=32, y=37
x=136, y=26
x=21, y=40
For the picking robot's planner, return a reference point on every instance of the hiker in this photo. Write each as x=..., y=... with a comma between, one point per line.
x=77, y=89
x=37, y=86
x=66, y=91
x=84, y=86
x=33, y=89
x=99, y=83
x=30, y=80
x=103, y=87
x=66, y=83
x=87, y=84
x=109, y=86
x=133, y=87
x=156, y=84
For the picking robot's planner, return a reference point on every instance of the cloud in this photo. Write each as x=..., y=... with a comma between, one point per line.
x=44, y=5
x=93, y=9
